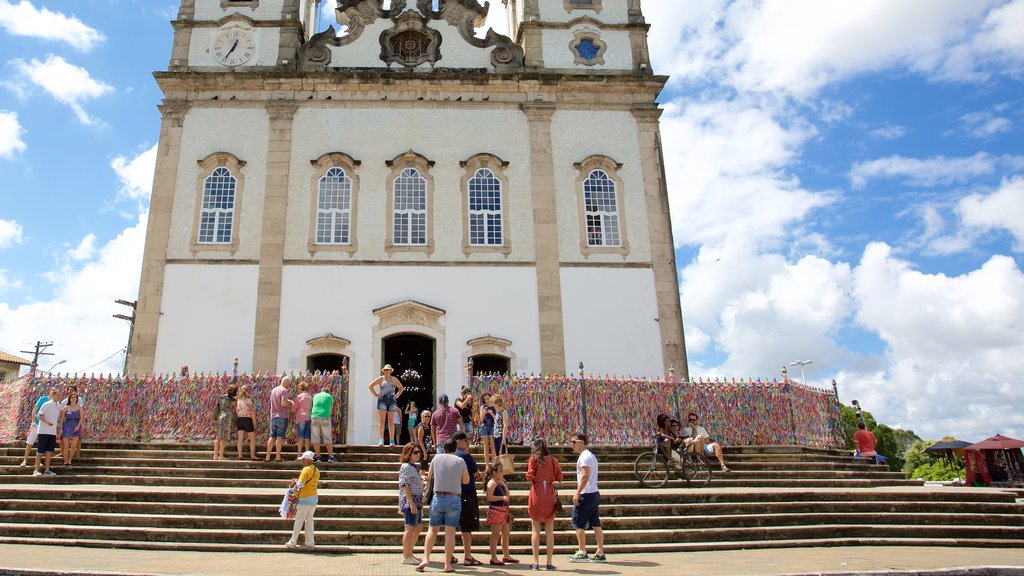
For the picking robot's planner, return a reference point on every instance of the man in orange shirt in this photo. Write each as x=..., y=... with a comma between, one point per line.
x=865, y=442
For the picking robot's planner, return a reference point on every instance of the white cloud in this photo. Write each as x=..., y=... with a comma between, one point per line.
x=24, y=19
x=10, y=233
x=1003, y=208
x=5, y=283
x=933, y=171
x=10, y=134
x=954, y=352
x=985, y=124
x=66, y=82
x=135, y=174
x=888, y=132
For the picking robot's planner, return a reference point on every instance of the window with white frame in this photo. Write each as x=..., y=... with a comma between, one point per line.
x=334, y=208
x=216, y=217
x=409, y=218
x=601, y=208
x=485, y=209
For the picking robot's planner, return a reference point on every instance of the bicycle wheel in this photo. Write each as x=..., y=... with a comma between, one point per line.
x=697, y=470
x=651, y=470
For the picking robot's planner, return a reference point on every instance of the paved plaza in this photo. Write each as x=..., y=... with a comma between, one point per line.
x=933, y=561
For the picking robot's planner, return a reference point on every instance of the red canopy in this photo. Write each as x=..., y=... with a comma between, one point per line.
x=997, y=442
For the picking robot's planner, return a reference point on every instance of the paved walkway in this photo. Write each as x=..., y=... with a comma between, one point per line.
x=40, y=560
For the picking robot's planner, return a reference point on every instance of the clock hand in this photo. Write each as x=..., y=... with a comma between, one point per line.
x=233, y=46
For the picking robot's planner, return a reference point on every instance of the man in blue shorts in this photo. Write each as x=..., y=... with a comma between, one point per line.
x=586, y=502
x=449, y=473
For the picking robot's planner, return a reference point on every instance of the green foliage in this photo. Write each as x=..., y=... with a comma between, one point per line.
x=893, y=443
x=889, y=440
x=850, y=421
x=938, y=470
x=915, y=457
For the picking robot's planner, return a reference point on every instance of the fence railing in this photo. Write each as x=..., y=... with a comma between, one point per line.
x=622, y=411
x=159, y=408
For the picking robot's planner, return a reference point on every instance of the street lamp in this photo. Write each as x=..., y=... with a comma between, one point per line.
x=131, y=330
x=55, y=365
x=801, y=364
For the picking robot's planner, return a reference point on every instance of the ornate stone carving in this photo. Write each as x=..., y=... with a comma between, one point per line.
x=410, y=42
x=409, y=313
x=326, y=344
x=315, y=55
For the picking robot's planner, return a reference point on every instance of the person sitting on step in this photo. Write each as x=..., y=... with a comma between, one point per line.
x=865, y=442
x=697, y=439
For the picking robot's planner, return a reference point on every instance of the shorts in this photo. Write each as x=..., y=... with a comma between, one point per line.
x=46, y=443
x=320, y=431
x=413, y=519
x=33, y=431
x=587, y=514
x=467, y=426
x=302, y=430
x=398, y=418
x=486, y=431
x=388, y=403
x=469, y=518
x=278, y=427
x=709, y=449
x=245, y=424
x=445, y=510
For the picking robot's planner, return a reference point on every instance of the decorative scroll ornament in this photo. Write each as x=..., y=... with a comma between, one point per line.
x=410, y=42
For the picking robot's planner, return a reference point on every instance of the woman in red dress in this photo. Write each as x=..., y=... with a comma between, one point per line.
x=544, y=475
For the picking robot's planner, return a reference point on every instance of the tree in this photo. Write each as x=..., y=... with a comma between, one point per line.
x=916, y=457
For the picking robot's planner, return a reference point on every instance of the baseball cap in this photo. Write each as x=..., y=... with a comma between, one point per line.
x=307, y=455
x=443, y=399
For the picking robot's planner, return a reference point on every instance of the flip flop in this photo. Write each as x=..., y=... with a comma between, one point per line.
x=507, y=560
x=471, y=562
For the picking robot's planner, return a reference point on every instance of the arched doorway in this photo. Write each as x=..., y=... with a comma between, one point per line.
x=412, y=357
x=326, y=362
x=490, y=364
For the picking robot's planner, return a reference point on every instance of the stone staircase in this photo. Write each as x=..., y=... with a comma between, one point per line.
x=172, y=496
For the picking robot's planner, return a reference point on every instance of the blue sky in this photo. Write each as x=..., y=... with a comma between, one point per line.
x=847, y=185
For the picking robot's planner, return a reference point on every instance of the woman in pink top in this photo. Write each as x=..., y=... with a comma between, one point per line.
x=303, y=408
x=245, y=418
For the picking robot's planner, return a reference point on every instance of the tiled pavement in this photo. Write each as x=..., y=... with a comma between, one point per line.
x=944, y=561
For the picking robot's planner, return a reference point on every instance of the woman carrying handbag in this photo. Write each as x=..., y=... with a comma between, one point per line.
x=499, y=515
x=544, y=474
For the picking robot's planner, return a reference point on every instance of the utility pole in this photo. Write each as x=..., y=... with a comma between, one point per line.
x=131, y=331
x=39, y=351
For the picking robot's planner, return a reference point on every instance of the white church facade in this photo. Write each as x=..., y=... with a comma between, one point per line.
x=409, y=192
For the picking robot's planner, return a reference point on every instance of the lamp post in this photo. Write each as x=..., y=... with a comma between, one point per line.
x=54, y=366
x=131, y=330
x=801, y=364
x=583, y=398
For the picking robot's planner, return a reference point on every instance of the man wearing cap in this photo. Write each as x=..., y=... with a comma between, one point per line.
x=448, y=473
x=446, y=421
x=306, y=483
x=321, y=432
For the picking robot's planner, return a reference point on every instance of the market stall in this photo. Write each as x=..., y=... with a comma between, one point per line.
x=996, y=461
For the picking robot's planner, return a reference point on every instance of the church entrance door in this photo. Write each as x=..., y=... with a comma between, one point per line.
x=412, y=357
x=490, y=364
x=325, y=362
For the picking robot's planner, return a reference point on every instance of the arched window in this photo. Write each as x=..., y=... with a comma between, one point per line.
x=334, y=208
x=602, y=212
x=410, y=209
x=485, y=209
x=216, y=217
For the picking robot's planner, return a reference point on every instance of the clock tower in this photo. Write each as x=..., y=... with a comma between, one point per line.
x=400, y=185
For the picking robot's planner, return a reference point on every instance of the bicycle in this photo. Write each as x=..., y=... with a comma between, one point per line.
x=652, y=467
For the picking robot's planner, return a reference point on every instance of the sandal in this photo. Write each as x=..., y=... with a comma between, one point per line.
x=497, y=563
x=471, y=562
x=508, y=560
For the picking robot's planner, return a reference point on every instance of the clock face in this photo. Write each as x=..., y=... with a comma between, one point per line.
x=234, y=47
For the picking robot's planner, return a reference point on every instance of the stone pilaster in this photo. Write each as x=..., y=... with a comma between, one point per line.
x=151, y=282
x=545, y=231
x=275, y=206
x=663, y=255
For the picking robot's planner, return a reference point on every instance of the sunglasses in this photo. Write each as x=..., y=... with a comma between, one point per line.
x=575, y=441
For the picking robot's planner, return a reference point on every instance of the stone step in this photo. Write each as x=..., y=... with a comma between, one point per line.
x=141, y=479
x=520, y=535
x=359, y=511
x=269, y=520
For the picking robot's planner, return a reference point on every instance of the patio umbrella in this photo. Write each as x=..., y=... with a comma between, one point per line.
x=997, y=442
x=947, y=445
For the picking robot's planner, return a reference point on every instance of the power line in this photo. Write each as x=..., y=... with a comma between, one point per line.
x=118, y=351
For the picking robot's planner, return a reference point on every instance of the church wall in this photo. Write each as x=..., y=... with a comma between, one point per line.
x=558, y=54
x=267, y=10
x=444, y=136
x=477, y=300
x=577, y=135
x=208, y=317
x=200, y=50
x=241, y=132
x=612, y=12
x=610, y=324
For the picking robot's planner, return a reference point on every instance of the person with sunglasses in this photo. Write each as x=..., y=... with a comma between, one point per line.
x=697, y=439
x=410, y=500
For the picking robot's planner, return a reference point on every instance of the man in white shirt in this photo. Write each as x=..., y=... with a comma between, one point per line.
x=697, y=439
x=586, y=502
x=46, y=440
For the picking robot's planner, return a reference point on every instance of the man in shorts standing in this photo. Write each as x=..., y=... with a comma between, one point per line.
x=280, y=408
x=586, y=502
x=448, y=473
x=321, y=431
x=46, y=440
x=469, y=520
x=33, y=429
